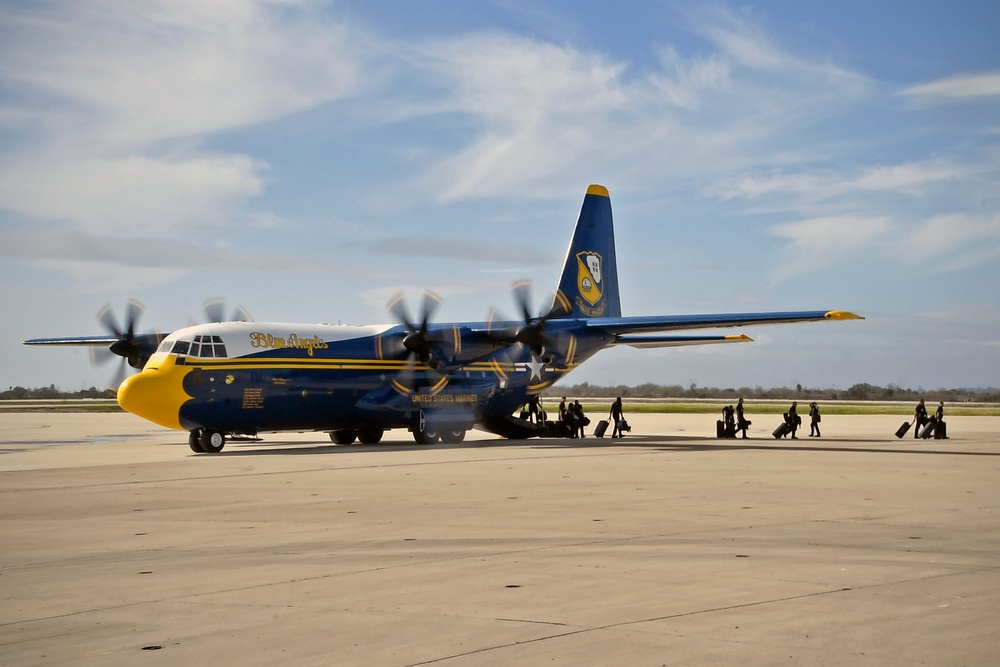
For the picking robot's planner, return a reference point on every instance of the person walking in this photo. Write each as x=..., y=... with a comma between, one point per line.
x=814, y=420
x=919, y=418
x=741, y=423
x=793, y=419
x=616, y=418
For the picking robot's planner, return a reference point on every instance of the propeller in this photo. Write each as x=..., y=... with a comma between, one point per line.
x=531, y=334
x=134, y=352
x=417, y=342
x=215, y=311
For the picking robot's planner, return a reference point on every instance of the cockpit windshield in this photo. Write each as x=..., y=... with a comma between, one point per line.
x=210, y=347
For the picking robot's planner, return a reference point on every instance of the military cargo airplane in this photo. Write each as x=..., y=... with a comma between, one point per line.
x=436, y=379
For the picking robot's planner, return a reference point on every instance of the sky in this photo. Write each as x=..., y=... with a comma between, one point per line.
x=307, y=160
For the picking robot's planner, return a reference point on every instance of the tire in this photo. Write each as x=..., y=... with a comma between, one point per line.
x=370, y=436
x=452, y=437
x=343, y=437
x=194, y=442
x=212, y=442
x=425, y=437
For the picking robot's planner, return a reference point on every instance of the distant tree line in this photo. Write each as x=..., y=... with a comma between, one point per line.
x=53, y=392
x=858, y=392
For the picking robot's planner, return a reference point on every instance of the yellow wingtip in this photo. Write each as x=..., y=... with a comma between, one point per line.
x=599, y=190
x=842, y=315
x=740, y=338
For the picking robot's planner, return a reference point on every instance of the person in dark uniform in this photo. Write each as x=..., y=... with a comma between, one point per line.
x=741, y=423
x=940, y=433
x=793, y=419
x=582, y=420
x=728, y=422
x=919, y=418
x=814, y=419
x=533, y=412
x=616, y=418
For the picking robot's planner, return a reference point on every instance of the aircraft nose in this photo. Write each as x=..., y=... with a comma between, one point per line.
x=155, y=395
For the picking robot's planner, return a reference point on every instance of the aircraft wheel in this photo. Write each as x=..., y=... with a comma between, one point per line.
x=194, y=442
x=425, y=437
x=343, y=437
x=453, y=436
x=212, y=442
x=370, y=436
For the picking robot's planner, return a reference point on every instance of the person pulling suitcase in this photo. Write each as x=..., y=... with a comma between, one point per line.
x=617, y=417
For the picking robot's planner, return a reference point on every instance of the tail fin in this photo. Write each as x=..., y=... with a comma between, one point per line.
x=590, y=275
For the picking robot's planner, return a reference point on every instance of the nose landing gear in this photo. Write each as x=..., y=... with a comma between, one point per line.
x=206, y=441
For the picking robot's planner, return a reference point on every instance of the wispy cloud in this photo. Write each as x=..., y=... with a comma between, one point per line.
x=113, y=101
x=958, y=87
x=821, y=243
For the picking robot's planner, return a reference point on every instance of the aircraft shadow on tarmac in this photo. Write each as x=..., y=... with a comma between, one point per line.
x=666, y=443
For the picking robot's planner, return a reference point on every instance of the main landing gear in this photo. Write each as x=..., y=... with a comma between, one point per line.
x=367, y=436
x=206, y=441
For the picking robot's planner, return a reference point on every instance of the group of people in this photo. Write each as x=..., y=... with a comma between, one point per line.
x=572, y=417
x=734, y=421
x=793, y=420
x=920, y=419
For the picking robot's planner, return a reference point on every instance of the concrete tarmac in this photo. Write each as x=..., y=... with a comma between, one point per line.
x=119, y=546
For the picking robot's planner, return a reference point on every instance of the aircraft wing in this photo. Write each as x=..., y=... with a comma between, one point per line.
x=142, y=339
x=621, y=327
x=73, y=340
x=640, y=341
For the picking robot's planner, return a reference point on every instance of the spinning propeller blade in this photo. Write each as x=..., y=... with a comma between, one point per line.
x=419, y=345
x=127, y=345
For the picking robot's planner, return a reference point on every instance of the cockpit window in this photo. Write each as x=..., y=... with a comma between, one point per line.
x=164, y=347
x=205, y=347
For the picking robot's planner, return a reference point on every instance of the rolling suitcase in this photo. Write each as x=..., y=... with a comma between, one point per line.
x=601, y=428
x=901, y=431
x=782, y=430
x=928, y=430
x=941, y=432
x=720, y=429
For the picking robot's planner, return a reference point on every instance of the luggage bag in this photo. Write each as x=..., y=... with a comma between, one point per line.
x=601, y=428
x=720, y=429
x=901, y=431
x=782, y=430
x=928, y=430
x=941, y=432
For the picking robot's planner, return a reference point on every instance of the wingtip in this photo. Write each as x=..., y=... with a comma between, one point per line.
x=842, y=315
x=598, y=190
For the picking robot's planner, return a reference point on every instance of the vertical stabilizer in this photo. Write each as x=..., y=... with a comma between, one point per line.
x=590, y=275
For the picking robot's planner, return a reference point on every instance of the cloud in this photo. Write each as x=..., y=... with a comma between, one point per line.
x=111, y=100
x=958, y=87
x=111, y=262
x=132, y=195
x=955, y=240
x=136, y=73
x=542, y=113
x=467, y=250
x=820, y=243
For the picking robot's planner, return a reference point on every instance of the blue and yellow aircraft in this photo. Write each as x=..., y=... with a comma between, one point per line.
x=435, y=379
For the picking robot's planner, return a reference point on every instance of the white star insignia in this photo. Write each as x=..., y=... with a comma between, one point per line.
x=536, y=367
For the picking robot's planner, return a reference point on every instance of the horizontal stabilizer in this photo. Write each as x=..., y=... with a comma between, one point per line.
x=678, y=341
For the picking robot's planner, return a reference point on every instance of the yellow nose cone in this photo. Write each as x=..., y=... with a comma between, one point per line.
x=156, y=394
